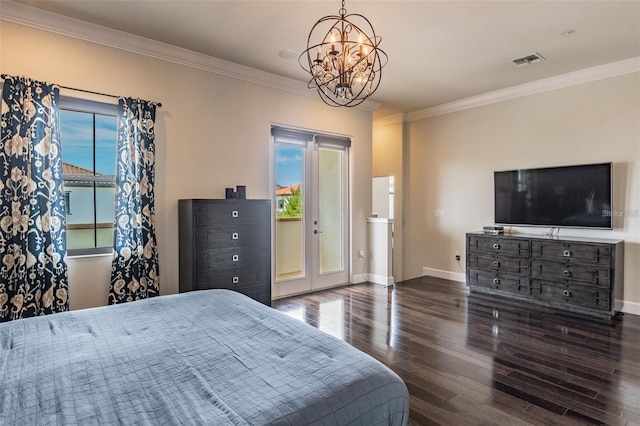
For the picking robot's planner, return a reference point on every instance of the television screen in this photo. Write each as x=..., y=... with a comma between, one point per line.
x=569, y=196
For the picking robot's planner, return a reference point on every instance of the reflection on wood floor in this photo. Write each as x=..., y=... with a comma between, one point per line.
x=472, y=361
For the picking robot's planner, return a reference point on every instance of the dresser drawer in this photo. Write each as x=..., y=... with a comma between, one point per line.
x=500, y=282
x=233, y=257
x=514, y=265
x=229, y=213
x=589, y=274
x=233, y=279
x=572, y=295
x=572, y=252
x=508, y=246
x=230, y=235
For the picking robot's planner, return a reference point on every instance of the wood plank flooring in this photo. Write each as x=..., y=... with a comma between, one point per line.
x=472, y=361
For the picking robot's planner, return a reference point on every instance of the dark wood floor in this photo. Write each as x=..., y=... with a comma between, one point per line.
x=470, y=361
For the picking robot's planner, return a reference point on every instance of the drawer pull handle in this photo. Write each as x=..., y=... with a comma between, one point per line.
x=567, y=273
x=235, y=258
x=566, y=293
x=566, y=253
x=234, y=213
x=496, y=263
x=496, y=280
x=235, y=280
x=496, y=246
x=234, y=236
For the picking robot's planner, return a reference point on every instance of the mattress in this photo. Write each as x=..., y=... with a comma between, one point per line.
x=211, y=357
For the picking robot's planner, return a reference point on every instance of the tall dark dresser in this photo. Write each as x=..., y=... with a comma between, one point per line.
x=226, y=244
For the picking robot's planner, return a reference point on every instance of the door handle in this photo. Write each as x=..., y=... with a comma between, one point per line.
x=315, y=231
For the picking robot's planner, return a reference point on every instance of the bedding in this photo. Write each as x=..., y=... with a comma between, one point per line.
x=210, y=357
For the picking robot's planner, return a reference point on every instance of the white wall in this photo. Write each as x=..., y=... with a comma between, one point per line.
x=212, y=132
x=453, y=157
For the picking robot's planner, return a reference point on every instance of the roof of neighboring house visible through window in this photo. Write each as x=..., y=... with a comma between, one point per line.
x=288, y=190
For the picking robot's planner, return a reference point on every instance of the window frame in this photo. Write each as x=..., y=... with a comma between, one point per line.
x=69, y=103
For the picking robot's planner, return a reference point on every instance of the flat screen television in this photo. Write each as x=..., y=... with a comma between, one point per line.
x=569, y=196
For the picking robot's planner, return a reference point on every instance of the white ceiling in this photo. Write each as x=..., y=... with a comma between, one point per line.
x=439, y=51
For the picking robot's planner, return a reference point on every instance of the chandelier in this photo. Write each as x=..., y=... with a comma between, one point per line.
x=344, y=59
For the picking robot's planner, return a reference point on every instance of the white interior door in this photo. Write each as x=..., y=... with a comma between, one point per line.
x=311, y=202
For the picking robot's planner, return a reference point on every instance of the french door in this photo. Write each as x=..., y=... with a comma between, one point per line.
x=311, y=202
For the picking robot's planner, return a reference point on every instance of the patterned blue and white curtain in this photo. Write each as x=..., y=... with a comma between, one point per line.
x=33, y=270
x=134, y=271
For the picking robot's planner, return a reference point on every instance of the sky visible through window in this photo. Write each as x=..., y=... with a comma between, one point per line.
x=288, y=165
x=76, y=132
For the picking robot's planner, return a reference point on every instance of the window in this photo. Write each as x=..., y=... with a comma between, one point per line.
x=89, y=135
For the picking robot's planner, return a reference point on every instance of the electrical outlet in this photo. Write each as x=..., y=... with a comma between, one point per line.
x=458, y=256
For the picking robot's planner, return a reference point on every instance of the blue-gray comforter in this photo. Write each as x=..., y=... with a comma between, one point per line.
x=211, y=357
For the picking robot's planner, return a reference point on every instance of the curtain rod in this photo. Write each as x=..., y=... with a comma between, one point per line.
x=158, y=104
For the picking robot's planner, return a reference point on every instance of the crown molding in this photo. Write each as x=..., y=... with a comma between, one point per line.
x=561, y=81
x=70, y=27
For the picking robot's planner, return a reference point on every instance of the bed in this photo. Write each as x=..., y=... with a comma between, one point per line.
x=211, y=357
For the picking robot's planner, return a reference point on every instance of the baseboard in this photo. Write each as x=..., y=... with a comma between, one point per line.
x=359, y=278
x=631, y=307
x=380, y=279
x=447, y=275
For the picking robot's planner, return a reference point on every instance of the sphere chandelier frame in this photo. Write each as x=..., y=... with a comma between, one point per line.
x=346, y=65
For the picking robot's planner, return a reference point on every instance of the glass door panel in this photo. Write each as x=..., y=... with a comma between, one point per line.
x=290, y=238
x=331, y=238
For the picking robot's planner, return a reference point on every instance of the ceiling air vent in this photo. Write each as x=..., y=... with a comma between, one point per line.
x=528, y=60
